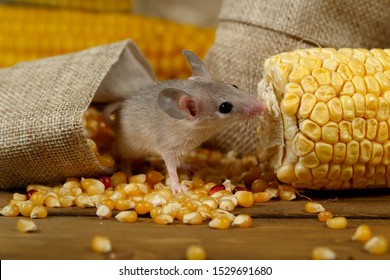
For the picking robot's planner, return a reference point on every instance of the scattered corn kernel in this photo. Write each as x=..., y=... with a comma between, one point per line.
x=193, y=218
x=362, y=234
x=101, y=244
x=38, y=198
x=84, y=200
x=11, y=210
x=323, y=216
x=337, y=223
x=195, y=252
x=153, y=177
x=52, y=201
x=163, y=219
x=286, y=193
x=93, y=186
x=377, y=245
x=25, y=208
x=313, y=207
x=259, y=185
x=220, y=222
x=19, y=197
x=103, y=212
x=26, y=225
x=227, y=205
x=262, y=196
x=127, y=216
x=242, y=221
x=38, y=212
x=323, y=253
x=245, y=198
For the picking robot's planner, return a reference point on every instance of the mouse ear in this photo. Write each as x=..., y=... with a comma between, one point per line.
x=177, y=104
x=197, y=65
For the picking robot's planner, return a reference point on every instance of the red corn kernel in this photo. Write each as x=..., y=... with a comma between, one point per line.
x=216, y=188
x=106, y=181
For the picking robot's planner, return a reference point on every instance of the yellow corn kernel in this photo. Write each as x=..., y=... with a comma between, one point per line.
x=193, y=218
x=377, y=245
x=242, y=221
x=171, y=208
x=124, y=204
x=337, y=223
x=38, y=212
x=220, y=222
x=227, y=205
x=323, y=216
x=195, y=252
x=38, y=198
x=132, y=189
x=10, y=210
x=26, y=225
x=245, y=198
x=118, y=178
x=52, y=201
x=272, y=191
x=126, y=216
x=84, y=200
x=330, y=133
x=222, y=213
x=313, y=207
x=308, y=102
x=25, y=208
x=103, y=212
x=323, y=253
x=311, y=129
x=309, y=84
x=107, y=202
x=19, y=197
x=362, y=234
x=320, y=114
x=286, y=192
x=101, y=244
x=163, y=219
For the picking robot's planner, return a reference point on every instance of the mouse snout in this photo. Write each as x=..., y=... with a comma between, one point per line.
x=256, y=109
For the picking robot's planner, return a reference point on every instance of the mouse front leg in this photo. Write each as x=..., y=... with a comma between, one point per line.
x=172, y=163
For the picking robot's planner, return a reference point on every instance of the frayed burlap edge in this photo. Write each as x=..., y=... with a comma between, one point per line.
x=43, y=102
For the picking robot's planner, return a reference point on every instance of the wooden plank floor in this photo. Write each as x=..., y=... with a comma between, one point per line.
x=281, y=230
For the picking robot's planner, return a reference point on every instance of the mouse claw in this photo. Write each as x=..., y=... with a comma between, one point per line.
x=178, y=188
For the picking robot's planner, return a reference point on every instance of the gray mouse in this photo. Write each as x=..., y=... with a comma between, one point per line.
x=173, y=117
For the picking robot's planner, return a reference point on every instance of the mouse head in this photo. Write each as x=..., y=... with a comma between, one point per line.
x=205, y=100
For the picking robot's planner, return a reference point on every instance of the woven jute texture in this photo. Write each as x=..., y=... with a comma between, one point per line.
x=41, y=109
x=249, y=31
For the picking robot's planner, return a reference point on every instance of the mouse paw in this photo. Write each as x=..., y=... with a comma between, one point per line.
x=177, y=188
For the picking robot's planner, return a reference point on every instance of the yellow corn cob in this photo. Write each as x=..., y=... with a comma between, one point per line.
x=30, y=33
x=95, y=5
x=335, y=109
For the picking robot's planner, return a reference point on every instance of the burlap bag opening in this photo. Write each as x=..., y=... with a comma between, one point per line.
x=249, y=31
x=42, y=104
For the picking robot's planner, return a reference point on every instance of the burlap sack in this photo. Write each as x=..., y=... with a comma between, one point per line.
x=249, y=31
x=42, y=104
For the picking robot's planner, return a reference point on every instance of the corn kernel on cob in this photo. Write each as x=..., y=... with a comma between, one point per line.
x=335, y=114
x=40, y=32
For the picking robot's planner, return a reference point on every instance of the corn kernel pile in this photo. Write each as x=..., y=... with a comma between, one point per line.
x=212, y=197
x=221, y=184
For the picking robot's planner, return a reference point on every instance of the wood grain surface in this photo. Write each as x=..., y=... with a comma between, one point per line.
x=281, y=230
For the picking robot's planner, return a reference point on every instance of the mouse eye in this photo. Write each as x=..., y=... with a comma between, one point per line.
x=225, y=107
x=235, y=86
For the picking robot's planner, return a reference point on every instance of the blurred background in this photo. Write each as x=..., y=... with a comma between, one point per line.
x=32, y=29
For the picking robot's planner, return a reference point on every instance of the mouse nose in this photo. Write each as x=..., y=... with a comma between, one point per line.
x=256, y=109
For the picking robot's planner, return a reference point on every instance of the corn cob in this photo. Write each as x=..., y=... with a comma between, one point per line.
x=335, y=113
x=95, y=5
x=40, y=32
